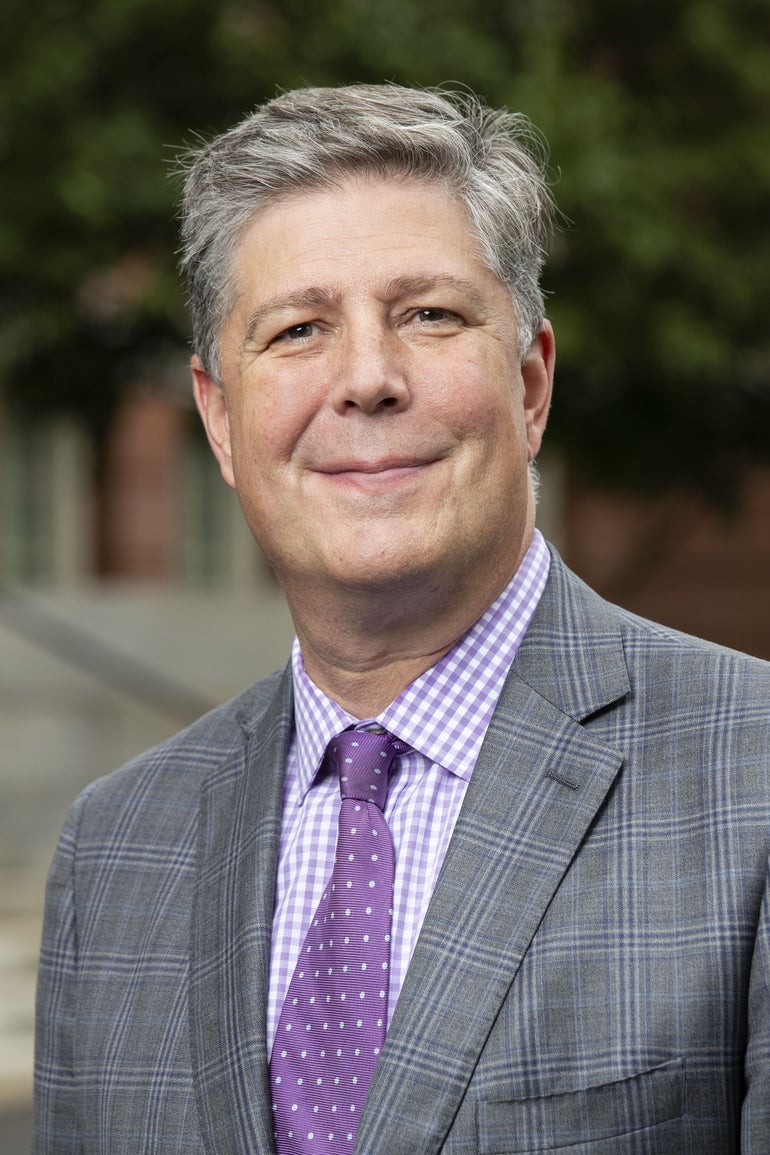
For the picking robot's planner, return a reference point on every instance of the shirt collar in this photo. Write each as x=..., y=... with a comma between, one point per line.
x=444, y=713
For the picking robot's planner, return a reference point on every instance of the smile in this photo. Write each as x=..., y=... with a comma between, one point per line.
x=374, y=476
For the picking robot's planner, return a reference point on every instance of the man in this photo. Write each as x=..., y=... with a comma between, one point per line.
x=567, y=860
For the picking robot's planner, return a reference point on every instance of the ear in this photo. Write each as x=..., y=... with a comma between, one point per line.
x=210, y=400
x=537, y=373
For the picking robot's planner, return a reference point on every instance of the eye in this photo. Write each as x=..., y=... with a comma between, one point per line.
x=433, y=315
x=297, y=332
x=434, y=318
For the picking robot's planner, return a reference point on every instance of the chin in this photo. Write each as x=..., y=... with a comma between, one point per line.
x=385, y=570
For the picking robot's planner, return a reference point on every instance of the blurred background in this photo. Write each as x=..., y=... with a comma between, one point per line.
x=131, y=596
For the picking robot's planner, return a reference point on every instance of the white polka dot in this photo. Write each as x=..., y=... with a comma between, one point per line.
x=294, y=1107
x=372, y=883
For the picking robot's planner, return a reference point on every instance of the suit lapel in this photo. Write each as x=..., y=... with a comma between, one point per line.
x=536, y=788
x=230, y=946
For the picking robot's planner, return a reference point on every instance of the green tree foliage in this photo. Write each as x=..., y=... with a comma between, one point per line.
x=657, y=114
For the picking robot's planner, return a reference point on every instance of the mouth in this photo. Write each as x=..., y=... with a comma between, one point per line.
x=373, y=476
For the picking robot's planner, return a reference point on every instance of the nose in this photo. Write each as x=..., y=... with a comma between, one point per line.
x=371, y=373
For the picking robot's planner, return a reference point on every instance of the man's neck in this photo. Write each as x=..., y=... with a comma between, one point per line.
x=364, y=650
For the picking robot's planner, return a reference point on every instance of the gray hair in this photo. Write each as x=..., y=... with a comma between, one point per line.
x=492, y=160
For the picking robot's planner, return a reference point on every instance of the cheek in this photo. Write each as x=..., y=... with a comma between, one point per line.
x=281, y=409
x=263, y=432
x=483, y=408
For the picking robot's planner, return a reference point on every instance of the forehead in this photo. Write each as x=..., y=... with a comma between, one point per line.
x=359, y=229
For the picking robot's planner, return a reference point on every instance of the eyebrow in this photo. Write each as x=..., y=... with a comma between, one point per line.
x=310, y=298
x=408, y=286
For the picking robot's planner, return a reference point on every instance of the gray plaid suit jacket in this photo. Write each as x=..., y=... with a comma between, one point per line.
x=593, y=974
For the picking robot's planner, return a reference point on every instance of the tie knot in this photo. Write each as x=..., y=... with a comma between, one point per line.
x=363, y=758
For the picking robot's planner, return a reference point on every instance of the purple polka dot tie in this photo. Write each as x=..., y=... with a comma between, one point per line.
x=334, y=1018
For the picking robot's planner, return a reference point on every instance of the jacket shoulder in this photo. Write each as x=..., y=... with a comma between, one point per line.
x=582, y=652
x=581, y=611
x=176, y=767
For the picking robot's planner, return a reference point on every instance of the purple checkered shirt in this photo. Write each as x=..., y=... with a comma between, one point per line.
x=443, y=715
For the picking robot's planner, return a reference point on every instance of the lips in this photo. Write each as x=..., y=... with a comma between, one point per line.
x=371, y=476
x=383, y=465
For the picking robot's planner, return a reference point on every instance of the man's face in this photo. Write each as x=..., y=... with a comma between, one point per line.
x=375, y=416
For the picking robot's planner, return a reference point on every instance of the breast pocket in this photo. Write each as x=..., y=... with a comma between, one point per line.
x=647, y=1109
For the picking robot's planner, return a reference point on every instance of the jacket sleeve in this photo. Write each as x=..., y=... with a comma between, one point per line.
x=56, y=1130
x=755, y=1124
